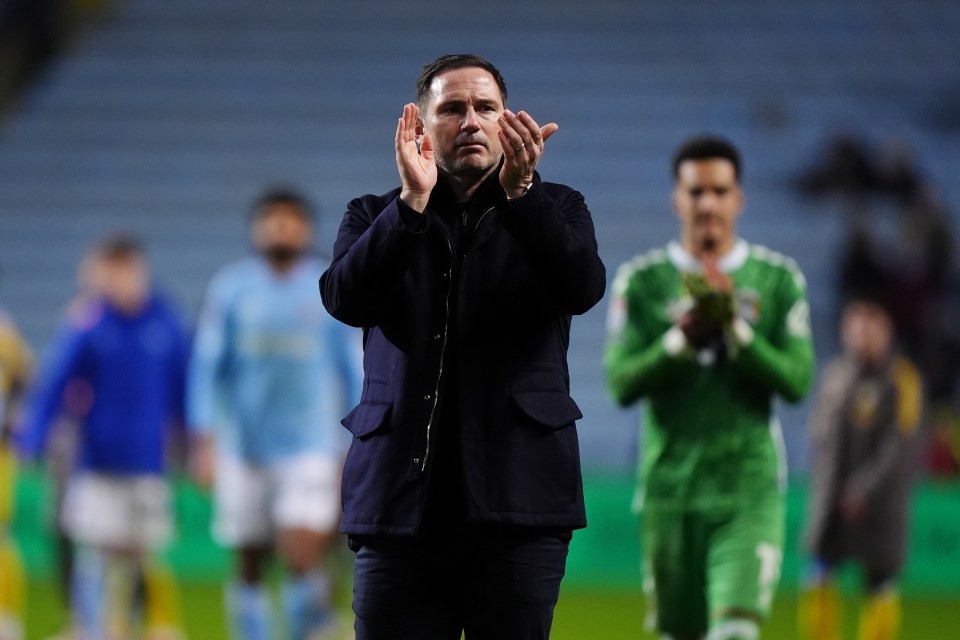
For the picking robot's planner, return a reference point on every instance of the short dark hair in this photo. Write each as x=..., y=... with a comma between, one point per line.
x=282, y=194
x=119, y=246
x=872, y=295
x=707, y=147
x=456, y=61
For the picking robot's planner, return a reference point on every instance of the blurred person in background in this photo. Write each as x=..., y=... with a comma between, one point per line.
x=710, y=330
x=16, y=366
x=122, y=359
x=60, y=450
x=270, y=375
x=462, y=486
x=866, y=428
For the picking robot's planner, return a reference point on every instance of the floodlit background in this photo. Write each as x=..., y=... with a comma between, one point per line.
x=165, y=118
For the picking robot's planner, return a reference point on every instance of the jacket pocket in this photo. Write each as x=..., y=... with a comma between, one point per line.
x=552, y=408
x=367, y=418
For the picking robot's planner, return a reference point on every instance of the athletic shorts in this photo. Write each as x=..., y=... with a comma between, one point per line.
x=130, y=512
x=698, y=564
x=253, y=502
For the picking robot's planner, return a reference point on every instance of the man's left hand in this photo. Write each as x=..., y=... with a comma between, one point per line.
x=522, y=140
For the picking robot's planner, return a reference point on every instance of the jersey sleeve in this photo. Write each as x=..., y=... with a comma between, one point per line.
x=780, y=360
x=204, y=405
x=64, y=360
x=636, y=357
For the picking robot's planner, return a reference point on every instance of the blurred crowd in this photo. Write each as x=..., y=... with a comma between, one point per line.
x=898, y=248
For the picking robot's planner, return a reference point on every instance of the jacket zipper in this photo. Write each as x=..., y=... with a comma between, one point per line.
x=446, y=333
x=443, y=349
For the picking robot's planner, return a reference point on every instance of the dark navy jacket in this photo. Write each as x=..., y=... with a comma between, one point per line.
x=505, y=310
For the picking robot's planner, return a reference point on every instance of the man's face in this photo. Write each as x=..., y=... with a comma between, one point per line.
x=707, y=199
x=866, y=332
x=282, y=229
x=124, y=281
x=460, y=115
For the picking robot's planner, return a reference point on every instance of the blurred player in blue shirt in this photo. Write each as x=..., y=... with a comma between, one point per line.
x=270, y=376
x=120, y=361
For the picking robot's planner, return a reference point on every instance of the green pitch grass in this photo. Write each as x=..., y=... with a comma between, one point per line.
x=581, y=615
x=618, y=615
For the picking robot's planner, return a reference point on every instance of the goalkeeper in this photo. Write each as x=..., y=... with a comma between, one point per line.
x=708, y=330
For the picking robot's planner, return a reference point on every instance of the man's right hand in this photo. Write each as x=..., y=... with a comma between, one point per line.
x=418, y=170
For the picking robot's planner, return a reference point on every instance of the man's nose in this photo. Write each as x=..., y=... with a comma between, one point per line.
x=707, y=203
x=470, y=120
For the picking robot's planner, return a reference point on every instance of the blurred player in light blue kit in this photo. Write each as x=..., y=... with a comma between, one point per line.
x=270, y=376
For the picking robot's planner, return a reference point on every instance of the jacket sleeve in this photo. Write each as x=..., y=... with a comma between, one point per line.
x=44, y=401
x=557, y=233
x=370, y=258
x=896, y=449
x=781, y=361
x=636, y=358
x=825, y=430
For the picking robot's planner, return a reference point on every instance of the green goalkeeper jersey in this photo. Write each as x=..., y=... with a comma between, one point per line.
x=711, y=437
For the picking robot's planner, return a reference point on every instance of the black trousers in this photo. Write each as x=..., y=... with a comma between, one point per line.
x=487, y=583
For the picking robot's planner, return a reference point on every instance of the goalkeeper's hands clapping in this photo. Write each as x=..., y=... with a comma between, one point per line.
x=713, y=304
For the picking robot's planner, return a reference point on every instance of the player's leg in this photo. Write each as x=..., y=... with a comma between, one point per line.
x=95, y=517
x=247, y=596
x=743, y=569
x=242, y=522
x=117, y=521
x=306, y=511
x=87, y=581
x=12, y=580
x=121, y=598
x=674, y=548
x=881, y=612
x=819, y=610
x=12, y=588
x=157, y=590
x=162, y=615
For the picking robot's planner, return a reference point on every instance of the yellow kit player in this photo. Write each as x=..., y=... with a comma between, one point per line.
x=15, y=366
x=865, y=427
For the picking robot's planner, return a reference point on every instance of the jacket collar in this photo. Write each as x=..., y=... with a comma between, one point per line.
x=482, y=209
x=488, y=194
